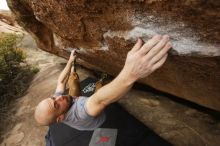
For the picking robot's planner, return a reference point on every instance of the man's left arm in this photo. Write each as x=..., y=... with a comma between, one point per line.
x=64, y=75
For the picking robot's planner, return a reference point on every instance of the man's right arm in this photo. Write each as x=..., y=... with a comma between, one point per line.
x=141, y=61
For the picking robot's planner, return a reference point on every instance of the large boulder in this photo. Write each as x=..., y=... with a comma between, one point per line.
x=106, y=30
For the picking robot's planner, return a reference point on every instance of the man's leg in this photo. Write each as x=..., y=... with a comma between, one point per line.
x=100, y=82
x=98, y=85
x=74, y=85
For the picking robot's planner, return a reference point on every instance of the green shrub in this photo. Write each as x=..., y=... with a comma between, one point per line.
x=10, y=56
x=15, y=73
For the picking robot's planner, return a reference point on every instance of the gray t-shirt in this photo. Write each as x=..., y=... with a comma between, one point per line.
x=78, y=118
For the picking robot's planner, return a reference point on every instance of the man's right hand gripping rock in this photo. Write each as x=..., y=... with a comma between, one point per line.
x=145, y=58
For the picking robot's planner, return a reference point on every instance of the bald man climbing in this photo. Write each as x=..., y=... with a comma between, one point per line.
x=84, y=113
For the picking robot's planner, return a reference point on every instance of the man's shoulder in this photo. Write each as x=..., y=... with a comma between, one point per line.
x=78, y=103
x=77, y=116
x=76, y=111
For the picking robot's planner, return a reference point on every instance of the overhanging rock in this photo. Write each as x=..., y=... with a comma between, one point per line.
x=106, y=30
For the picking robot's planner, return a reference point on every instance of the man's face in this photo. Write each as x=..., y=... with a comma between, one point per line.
x=60, y=104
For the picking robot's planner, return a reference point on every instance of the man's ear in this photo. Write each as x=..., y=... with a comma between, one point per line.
x=60, y=118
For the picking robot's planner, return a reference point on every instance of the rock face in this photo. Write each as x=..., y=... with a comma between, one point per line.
x=106, y=30
x=190, y=128
x=7, y=23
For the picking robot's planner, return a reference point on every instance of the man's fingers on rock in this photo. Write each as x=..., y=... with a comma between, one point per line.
x=150, y=43
x=160, y=62
x=74, y=52
x=158, y=47
x=161, y=54
x=138, y=45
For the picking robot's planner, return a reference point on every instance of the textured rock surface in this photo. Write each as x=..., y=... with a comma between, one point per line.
x=6, y=17
x=7, y=23
x=179, y=124
x=106, y=30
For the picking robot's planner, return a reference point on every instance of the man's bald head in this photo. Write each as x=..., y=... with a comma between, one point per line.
x=52, y=109
x=45, y=114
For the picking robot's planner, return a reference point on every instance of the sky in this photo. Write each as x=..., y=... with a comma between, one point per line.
x=3, y=5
